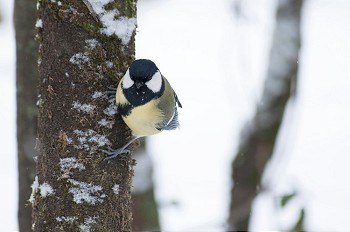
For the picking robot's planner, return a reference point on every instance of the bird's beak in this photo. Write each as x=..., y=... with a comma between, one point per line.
x=138, y=84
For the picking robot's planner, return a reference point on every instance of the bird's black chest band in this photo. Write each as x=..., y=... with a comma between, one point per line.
x=124, y=109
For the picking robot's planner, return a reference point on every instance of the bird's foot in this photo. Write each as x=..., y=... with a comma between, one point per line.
x=112, y=153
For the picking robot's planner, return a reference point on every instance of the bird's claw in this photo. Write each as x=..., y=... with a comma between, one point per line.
x=112, y=153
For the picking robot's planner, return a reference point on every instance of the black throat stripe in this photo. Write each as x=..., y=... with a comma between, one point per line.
x=124, y=109
x=137, y=97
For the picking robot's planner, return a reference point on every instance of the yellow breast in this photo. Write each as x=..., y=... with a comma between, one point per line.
x=144, y=119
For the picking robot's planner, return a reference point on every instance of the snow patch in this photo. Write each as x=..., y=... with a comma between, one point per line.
x=69, y=219
x=116, y=189
x=103, y=122
x=97, y=94
x=92, y=43
x=84, y=192
x=111, y=110
x=109, y=64
x=90, y=138
x=98, y=5
x=79, y=58
x=86, y=226
x=123, y=27
x=35, y=189
x=39, y=23
x=112, y=22
x=69, y=163
x=86, y=108
x=69, y=140
x=46, y=189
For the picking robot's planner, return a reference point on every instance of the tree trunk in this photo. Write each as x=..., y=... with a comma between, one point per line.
x=84, y=48
x=259, y=136
x=26, y=83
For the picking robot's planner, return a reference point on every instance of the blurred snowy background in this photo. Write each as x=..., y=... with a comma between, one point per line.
x=217, y=62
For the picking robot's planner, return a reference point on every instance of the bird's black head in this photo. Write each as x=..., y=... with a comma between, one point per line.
x=142, y=82
x=142, y=70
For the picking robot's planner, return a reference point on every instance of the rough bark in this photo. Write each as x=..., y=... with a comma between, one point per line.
x=259, y=136
x=76, y=189
x=26, y=84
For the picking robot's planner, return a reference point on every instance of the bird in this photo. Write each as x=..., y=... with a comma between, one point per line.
x=146, y=102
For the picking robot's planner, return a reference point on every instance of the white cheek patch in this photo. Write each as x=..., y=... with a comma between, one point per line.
x=155, y=84
x=127, y=82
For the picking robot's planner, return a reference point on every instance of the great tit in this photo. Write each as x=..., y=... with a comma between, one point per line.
x=146, y=102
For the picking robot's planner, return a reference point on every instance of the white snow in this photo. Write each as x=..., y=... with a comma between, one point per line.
x=68, y=219
x=86, y=226
x=98, y=5
x=109, y=64
x=122, y=27
x=116, y=189
x=86, y=108
x=69, y=140
x=70, y=162
x=35, y=189
x=112, y=22
x=92, y=43
x=111, y=110
x=46, y=189
x=39, y=23
x=103, y=122
x=90, y=139
x=97, y=94
x=100, y=140
x=79, y=58
x=86, y=192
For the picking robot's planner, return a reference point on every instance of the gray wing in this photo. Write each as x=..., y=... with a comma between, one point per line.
x=173, y=123
x=170, y=124
x=168, y=103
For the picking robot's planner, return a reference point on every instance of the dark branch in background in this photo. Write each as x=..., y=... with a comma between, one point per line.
x=259, y=136
x=26, y=84
x=145, y=208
